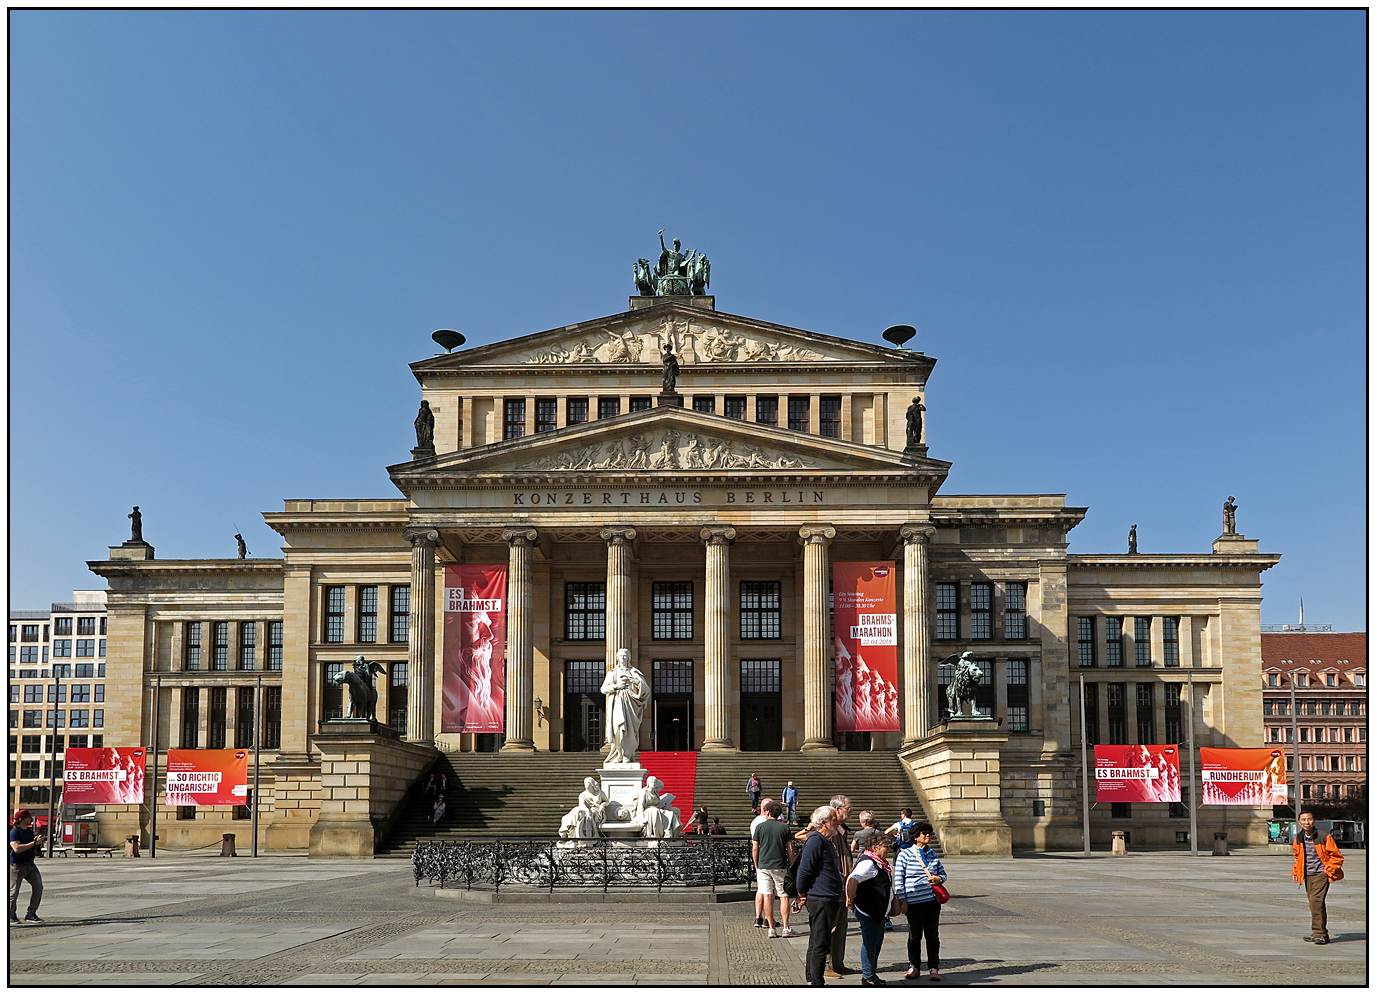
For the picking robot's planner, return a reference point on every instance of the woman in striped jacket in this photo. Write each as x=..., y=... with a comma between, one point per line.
x=915, y=873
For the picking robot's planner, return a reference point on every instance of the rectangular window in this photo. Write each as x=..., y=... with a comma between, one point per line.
x=45, y=651
x=798, y=412
x=274, y=646
x=248, y=646
x=584, y=677
x=100, y=649
x=48, y=744
x=1147, y=726
x=1171, y=697
x=734, y=406
x=81, y=718
x=674, y=677
x=1121, y=810
x=102, y=625
x=585, y=610
x=13, y=631
x=760, y=610
x=28, y=769
x=981, y=611
x=1085, y=641
x=81, y=693
x=547, y=414
x=1115, y=696
x=62, y=626
x=1170, y=654
x=57, y=693
x=272, y=718
x=1142, y=641
x=1114, y=644
x=642, y=403
x=1015, y=610
x=33, y=693
x=30, y=633
x=57, y=719
x=1016, y=695
x=86, y=626
x=705, y=403
x=186, y=812
x=39, y=793
x=576, y=411
x=829, y=415
x=396, y=696
x=513, y=418
x=1332, y=680
x=191, y=718
x=609, y=407
x=31, y=744
x=219, y=698
x=946, y=612
x=672, y=610
x=767, y=409
x=86, y=648
x=193, y=646
x=243, y=733
x=1272, y=681
x=1090, y=708
x=368, y=613
x=29, y=655
x=62, y=648
x=401, y=614
x=33, y=719
x=334, y=613
x=759, y=676
x=332, y=696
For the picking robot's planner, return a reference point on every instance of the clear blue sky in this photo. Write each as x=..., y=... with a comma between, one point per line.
x=1135, y=241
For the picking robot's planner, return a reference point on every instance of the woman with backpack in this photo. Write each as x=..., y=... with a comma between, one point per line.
x=918, y=875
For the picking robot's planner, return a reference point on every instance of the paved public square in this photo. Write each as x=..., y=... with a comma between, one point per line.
x=1145, y=919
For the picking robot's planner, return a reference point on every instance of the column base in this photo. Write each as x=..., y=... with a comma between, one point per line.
x=824, y=745
x=517, y=747
x=720, y=745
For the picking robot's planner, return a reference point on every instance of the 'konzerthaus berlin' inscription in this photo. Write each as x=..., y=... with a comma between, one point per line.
x=547, y=499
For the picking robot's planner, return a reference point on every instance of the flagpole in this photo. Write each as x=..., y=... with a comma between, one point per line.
x=153, y=818
x=1190, y=754
x=1085, y=777
x=257, y=744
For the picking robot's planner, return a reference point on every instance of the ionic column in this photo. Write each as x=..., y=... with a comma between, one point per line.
x=520, y=646
x=420, y=719
x=917, y=641
x=716, y=643
x=619, y=595
x=817, y=690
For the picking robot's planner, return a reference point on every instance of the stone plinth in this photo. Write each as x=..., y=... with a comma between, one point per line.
x=365, y=770
x=132, y=550
x=622, y=783
x=1235, y=543
x=955, y=771
x=706, y=301
x=669, y=399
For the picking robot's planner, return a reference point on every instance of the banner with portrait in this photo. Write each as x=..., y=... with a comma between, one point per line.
x=207, y=778
x=1253, y=776
x=473, y=698
x=867, y=646
x=1137, y=773
x=92, y=775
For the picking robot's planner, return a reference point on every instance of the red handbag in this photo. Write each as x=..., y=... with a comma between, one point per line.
x=939, y=891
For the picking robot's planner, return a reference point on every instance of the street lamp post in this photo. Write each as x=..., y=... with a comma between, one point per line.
x=52, y=753
x=1295, y=740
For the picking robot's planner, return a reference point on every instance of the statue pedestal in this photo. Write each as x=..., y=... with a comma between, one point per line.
x=422, y=452
x=132, y=550
x=956, y=772
x=670, y=399
x=707, y=301
x=622, y=783
x=1235, y=543
x=918, y=452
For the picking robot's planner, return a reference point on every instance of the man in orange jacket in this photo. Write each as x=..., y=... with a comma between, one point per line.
x=1318, y=862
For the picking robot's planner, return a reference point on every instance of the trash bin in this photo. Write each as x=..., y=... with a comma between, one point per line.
x=131, y=846
x=1221, y=844
x=1120, y=845
x=227, y=846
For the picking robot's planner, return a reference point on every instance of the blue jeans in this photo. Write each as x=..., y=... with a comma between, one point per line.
x=793, y=816
x=872, y=936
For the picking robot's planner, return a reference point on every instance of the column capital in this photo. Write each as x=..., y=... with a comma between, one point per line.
x=519, y=536
x=820, y=535
x=617, y=535
x=421, y=536
x=717, y=534
x=914, y=532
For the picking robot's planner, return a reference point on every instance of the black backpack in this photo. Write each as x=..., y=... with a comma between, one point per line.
x=791, y=874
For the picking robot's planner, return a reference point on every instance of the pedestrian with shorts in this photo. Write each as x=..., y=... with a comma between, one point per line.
x=1318, y=862
x=759, y=896
x=772, y=850
x=916, y=871
x=820, y=891
x=870, y=892
x=24, y=844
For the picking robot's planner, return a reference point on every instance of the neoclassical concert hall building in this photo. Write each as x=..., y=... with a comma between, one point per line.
x=692, y=519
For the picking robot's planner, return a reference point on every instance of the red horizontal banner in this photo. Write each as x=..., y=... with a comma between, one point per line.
x=1137, y=773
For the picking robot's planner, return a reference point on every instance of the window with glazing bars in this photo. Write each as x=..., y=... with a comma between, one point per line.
x=705, y=403
x=331, y=695
x=759, y=676
x=609, y=407
x=334, y=613
x=396, y=696
x=981, y=611
x=368, y=613
x=513, y=418
x=62, y=626
x=798, y=412
x=1085, y=640
x=218, y=699
x=584, y=677
x=248, y=646
x=1147, y=724
x=1015, y=610
x=547, y=414
x=272, y=718
x=401, y=614
x=767, y=409
x=243, y=726
x=1016, y=695
x=1114, y=641
x=1171, y=698
x=1090, y=709
x=673, y=677
x=946, y=611
x=760, y=610
x=641, y=403
x=1170, y=652
x=575, y=411
x=274, y=646
x=219, y=660
x=86, y=626
x=734, y=406
x=585, y=610
x=672, y=610
x=1142, y=641
x=191, y=717
x=829, y=415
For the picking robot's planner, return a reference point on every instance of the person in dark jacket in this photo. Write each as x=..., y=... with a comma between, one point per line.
x=820, y=890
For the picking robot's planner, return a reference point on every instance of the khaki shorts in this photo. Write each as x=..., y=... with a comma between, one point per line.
x=770, y=881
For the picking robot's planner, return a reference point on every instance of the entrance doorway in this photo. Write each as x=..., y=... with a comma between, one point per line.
x=762, y=706
x=672, y=725
x=672, y=685
x=583, y=705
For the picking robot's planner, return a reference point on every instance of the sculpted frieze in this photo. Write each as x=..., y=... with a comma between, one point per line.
x=670, y=449
x=692, y=342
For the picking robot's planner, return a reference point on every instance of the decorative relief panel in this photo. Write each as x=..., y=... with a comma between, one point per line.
x=670, y=449
x=693, y=342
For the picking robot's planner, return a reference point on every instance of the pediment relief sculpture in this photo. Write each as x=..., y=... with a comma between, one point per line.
x=692, y=342
x=670, y=449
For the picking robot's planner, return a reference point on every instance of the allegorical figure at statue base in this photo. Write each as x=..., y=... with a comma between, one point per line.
x=585, y=820
x=657, y=813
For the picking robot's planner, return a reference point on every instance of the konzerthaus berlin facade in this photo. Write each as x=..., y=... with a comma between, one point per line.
x=697, y=532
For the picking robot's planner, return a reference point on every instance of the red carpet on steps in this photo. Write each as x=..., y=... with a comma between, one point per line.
x=677, y=769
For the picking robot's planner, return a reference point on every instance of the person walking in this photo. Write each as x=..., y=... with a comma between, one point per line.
x=772, y=850
x=916, y=871
x=870, y=892
x=1318, y=862
x=820, y=891
x=753, y=790
x=790, y=799
x=902, y=830
x=841, y=808
x=23, y=843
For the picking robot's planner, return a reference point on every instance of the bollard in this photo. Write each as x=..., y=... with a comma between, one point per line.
x=227, y=846
x=131, y=846
x=1221, y=844
x=1120, y=845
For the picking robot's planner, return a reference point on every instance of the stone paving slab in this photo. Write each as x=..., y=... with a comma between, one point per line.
x=176, y=941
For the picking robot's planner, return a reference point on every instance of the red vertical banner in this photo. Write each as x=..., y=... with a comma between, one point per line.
x=475, y=674
x=1137, y=773
x=865, y=620
x=103, y=775
x=207, y=778
x=1250, y=776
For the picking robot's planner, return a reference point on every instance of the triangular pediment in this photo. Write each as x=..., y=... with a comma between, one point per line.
x=665, y=441
x=698, y=335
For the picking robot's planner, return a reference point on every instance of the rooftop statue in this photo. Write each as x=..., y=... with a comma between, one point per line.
x=676, y=274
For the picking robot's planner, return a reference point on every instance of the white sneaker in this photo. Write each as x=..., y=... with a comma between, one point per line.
x=789, y=932
x=772, y=932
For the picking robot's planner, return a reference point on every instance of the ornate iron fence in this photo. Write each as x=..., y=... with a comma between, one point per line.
x=554, y=862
